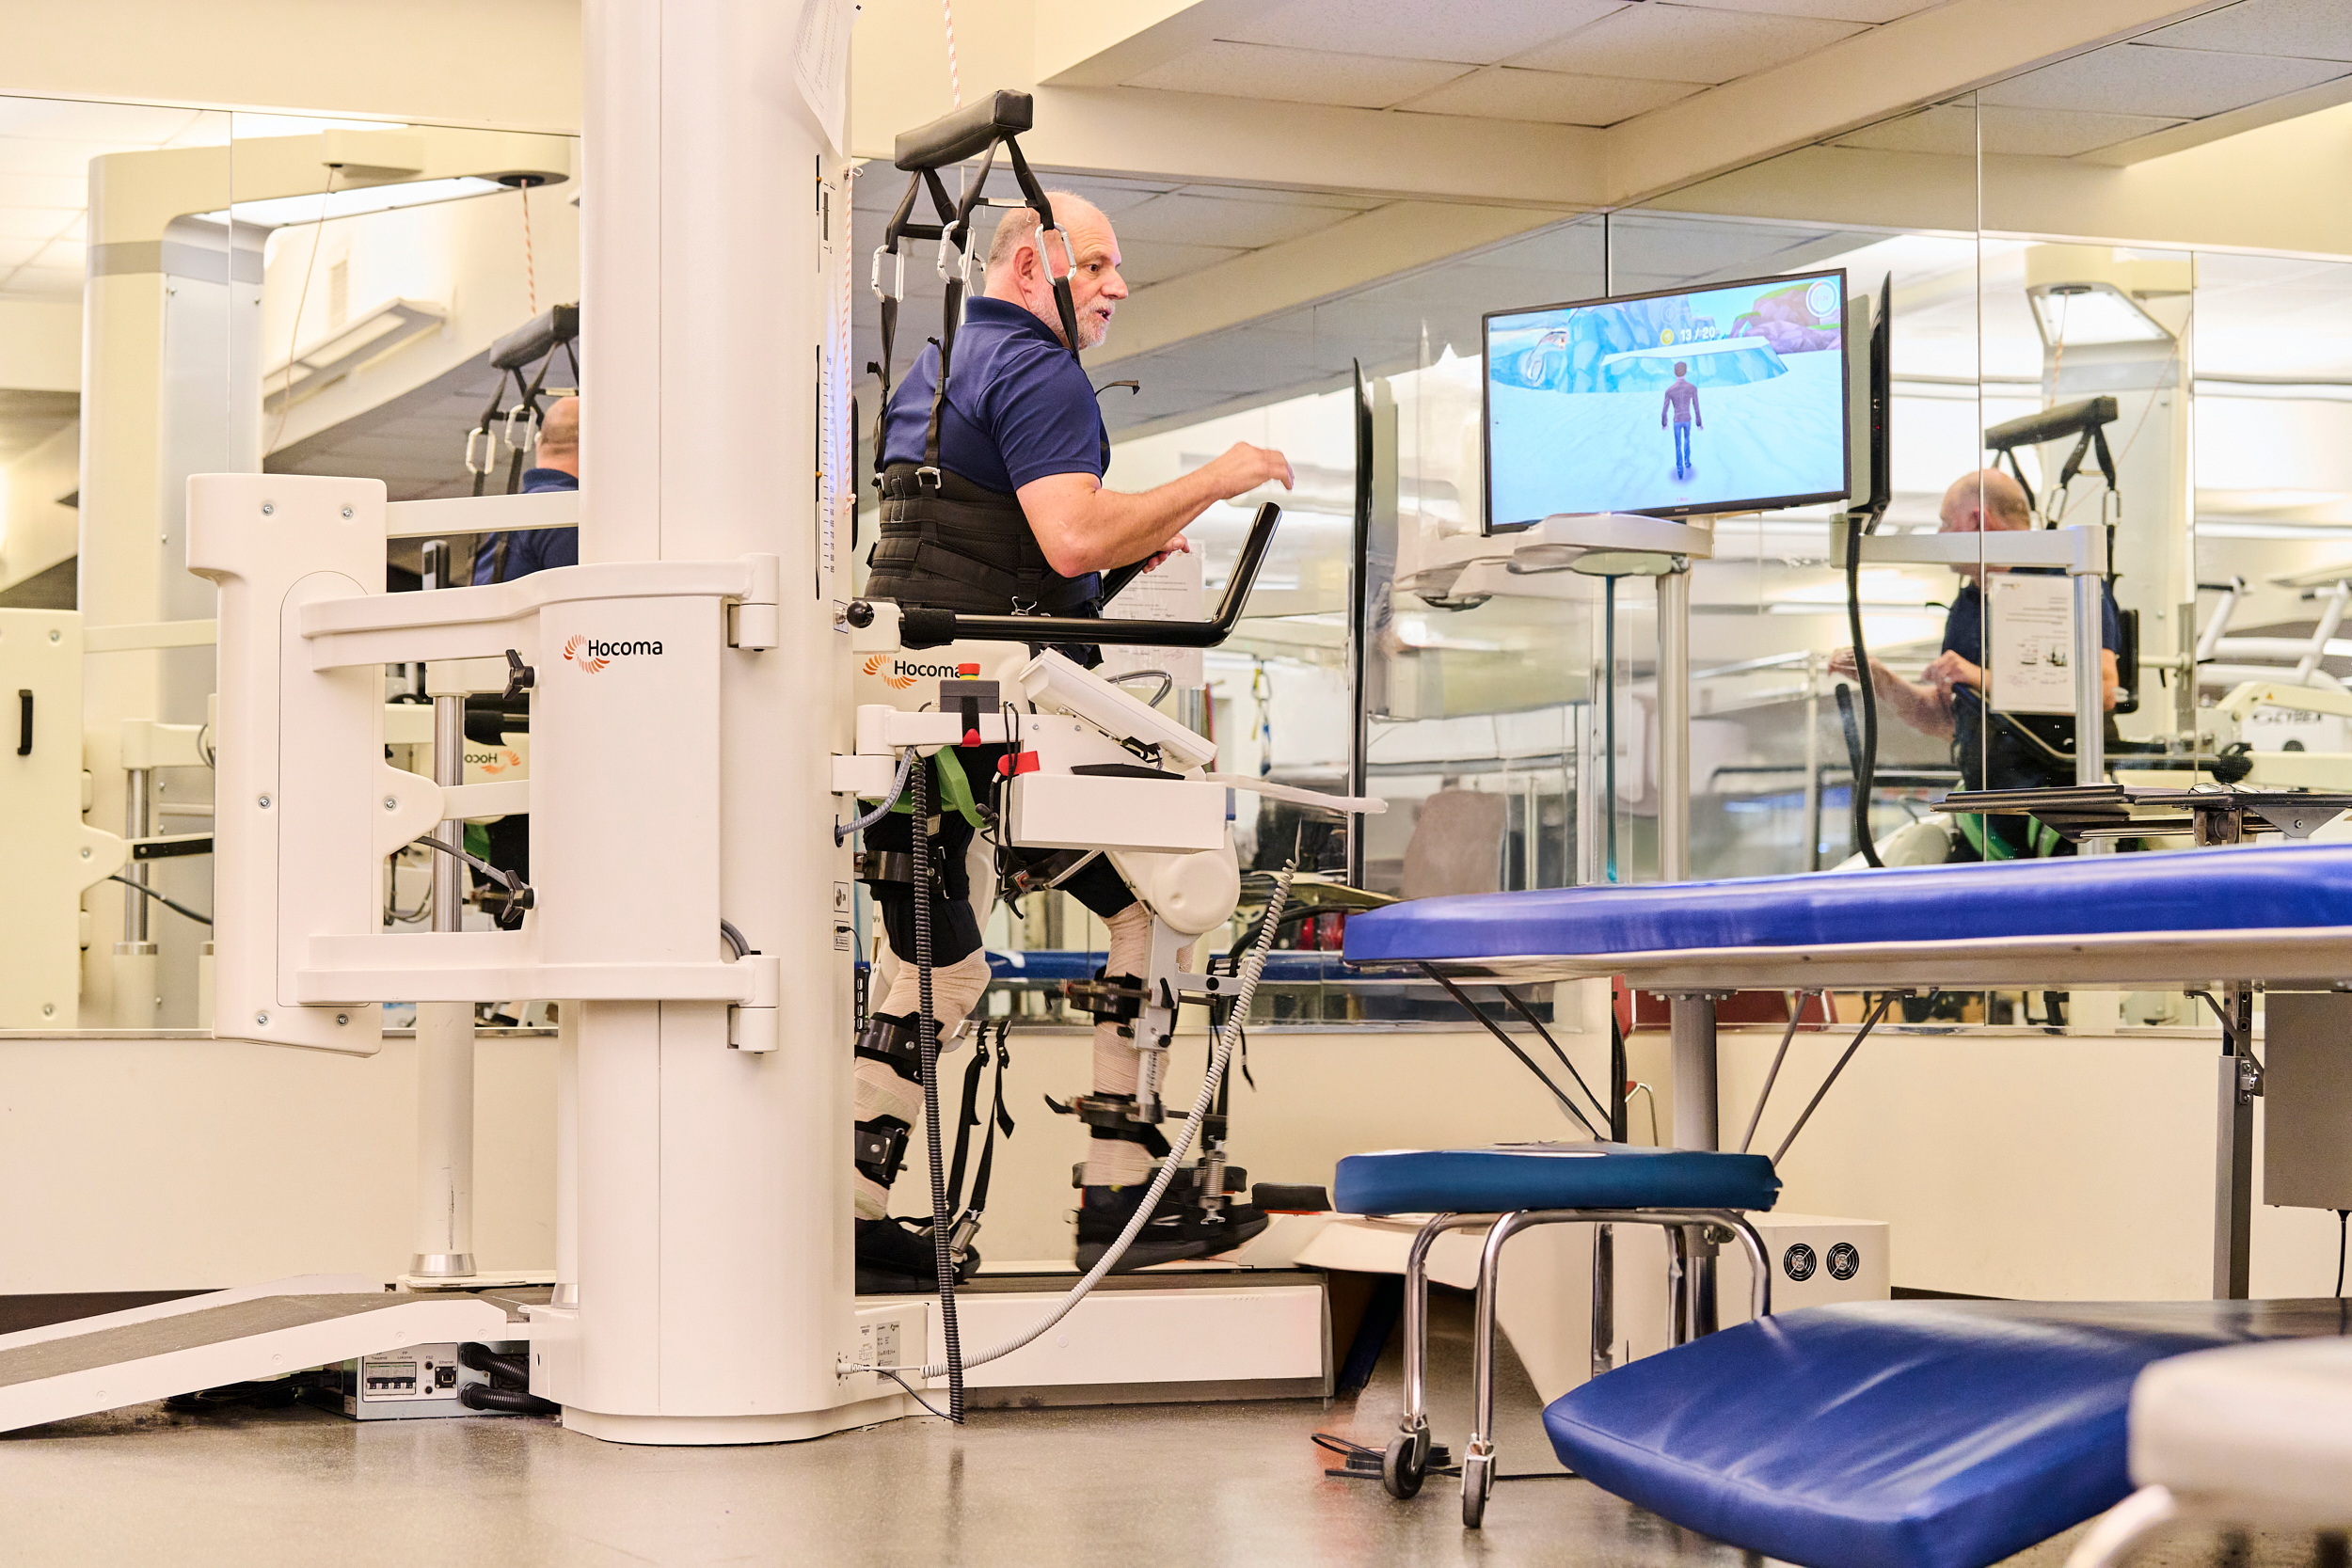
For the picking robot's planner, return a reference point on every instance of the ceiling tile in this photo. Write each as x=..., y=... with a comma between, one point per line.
x=1221, y=221
x=2313, y=29
x=1295, y=75
x=124, y=125
x=51, y=156
x=1871, y=11
x=40, y=223
x=1506, y=92
x=2177, y=84
x=1949, y=128
x=1686, y=43
x=2062, y=132
x=44, y=190
x=1299, y=199
x=16, y=252
x=43, y=284
x=1477, y=34
x=1147, y=262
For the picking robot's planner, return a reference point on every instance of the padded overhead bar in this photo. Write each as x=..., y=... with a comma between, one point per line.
x=965, y=133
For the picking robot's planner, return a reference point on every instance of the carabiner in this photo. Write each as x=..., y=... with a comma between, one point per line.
x=1070, y=257
x=530, y=419
x=899, y=290
x=479, y=464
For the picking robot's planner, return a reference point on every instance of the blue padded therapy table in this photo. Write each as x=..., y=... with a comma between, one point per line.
x=1905, y=1434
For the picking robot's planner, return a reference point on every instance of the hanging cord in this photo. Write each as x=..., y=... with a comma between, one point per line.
x=841, y=830
x=2342, y=1215
x=927, y=1036
x=1866, y=755
x=1252, y=967
x=530, y=268
x=293, y=334
x=955, y=87
x=174, y=908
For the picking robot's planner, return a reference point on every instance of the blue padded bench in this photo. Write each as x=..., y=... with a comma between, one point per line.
x=1511, y=1187
x=1895, y=1434
x=2255, y=913
x=1902, y=1434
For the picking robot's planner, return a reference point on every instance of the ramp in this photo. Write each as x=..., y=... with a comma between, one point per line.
x=152, y=1353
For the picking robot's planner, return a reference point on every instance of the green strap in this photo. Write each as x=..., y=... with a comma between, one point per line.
x=2043, y=838
x=951, y=788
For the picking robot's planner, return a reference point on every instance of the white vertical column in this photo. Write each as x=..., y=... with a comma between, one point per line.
x=711, y=1203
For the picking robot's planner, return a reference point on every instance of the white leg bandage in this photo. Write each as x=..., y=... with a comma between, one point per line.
x=1115, y=1162
x=880, y=1092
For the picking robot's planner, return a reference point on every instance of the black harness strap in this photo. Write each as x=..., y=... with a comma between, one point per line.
x=953, y=229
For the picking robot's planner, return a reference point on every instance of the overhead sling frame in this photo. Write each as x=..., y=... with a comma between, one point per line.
x=977, y=131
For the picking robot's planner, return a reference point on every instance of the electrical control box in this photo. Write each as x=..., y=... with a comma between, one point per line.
x=401, y=1385
x=2306, y=1099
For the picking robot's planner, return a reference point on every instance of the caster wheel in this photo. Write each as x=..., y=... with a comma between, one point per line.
x=1404, y=1463
x=1478, y=1479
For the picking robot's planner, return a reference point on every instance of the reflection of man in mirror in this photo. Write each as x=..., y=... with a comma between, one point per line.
x=1682, y=408
x=505, y=557
x=2012, y=751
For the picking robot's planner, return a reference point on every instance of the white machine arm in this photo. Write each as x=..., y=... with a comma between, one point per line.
x=623, y=801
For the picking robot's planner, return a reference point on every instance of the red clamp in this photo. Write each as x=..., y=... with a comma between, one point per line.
x=1022, y=761
x=971, y=738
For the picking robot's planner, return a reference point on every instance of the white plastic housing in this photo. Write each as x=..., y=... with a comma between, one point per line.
x=1055, y=683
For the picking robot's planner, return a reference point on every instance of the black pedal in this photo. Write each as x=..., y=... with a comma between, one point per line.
x=1115, y=999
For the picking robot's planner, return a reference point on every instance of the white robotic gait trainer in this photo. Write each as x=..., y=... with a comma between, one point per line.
x=699, y=757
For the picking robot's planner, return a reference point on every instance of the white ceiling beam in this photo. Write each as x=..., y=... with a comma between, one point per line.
x=1919, y=59
x=2248, y=193
x=1362, y=250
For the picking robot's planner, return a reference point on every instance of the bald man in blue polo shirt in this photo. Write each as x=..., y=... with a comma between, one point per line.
x=993, y=503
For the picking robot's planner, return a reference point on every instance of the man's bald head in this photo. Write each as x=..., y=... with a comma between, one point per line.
x=1986, y=500
x=559, y=438
x=1022, y=266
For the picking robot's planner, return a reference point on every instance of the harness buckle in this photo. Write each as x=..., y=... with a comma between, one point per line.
x=927, y=477
x=1024, y=607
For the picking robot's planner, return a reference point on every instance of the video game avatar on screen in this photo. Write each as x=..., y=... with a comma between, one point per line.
x=1706, y=400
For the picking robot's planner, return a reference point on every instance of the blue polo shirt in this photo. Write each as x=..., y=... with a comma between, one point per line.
x=535, y=549
x=1963, y=628
x=1019, y=408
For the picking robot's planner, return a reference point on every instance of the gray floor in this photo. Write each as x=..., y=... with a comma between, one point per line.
x=1229, y=1483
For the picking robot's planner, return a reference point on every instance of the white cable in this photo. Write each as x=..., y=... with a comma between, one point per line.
x=1252, y=967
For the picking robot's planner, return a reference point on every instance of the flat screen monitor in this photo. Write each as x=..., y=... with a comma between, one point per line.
x=1729, y=398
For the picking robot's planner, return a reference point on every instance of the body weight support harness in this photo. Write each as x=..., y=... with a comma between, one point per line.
x=970, y=546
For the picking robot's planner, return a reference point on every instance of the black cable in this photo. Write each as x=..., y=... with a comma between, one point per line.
x=169, y=904
x=519, y=895
x=1866, y=758
x=912, y=1395
x=2342, y=1215
x=926, y=1026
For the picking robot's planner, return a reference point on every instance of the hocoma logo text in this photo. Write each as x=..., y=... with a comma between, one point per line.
x=593, y=654
x=903, y=672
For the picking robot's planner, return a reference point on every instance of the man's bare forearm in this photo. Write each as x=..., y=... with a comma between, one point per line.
x=1923, y=708
x=1115, y=527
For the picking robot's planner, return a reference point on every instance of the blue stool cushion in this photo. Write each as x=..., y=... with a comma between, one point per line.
x=1510, y=1176
x=1894, y=1434
x=2272, y=887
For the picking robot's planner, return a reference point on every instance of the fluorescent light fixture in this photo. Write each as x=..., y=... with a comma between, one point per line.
x=2085, y=314
x=285, y=211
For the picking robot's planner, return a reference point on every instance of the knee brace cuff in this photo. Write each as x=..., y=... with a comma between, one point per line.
x=1109, y=998
x=896, y=1041
x=879, y=1148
